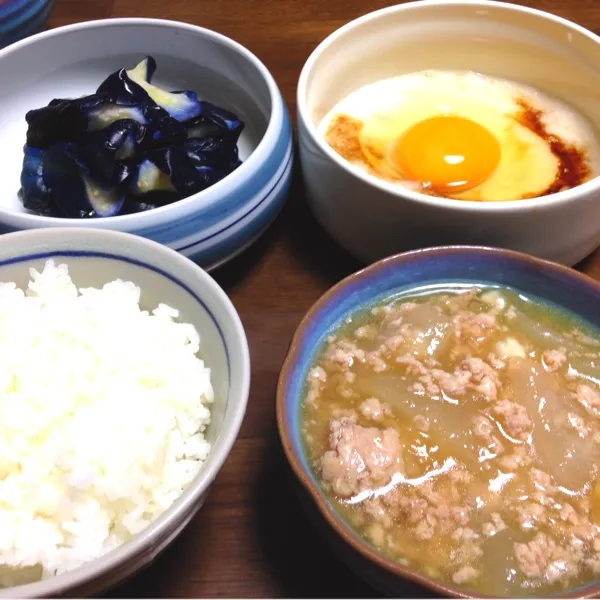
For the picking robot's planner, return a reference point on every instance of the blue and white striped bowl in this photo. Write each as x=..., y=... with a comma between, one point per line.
x=210, y=227
x=20, y=18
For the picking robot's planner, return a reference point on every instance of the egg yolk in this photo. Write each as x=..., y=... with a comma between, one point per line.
x=446, y=153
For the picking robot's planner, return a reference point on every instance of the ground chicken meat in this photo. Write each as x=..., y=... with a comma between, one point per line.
x=466, y=552
x=518, y=458
x=359, y=457
x=496, y=363
x=483, y=377
x=393, y=343
x=375, y=410
x=533, y=557
x=588, y=397
x=412, y=364
x=433, y=510
x=553, y=359
x=416, y=368
x=343, y=383
x=465, y=574
x=569, y=514
x=453, y=384
x=514, y=416
x=376, y=511
x=483, y=430
x=318, y=373
x=473, y=327
x=465, y=534
x=472, y=373
x=375, y=361
x=542, y=481
x=530, y=515
x=425, y=528
x=343, y=353
x=487, y=388
x=413, y=507
x=579, y=424
x=543, y=558
x=460, y=514
x=317, y=377
x=421, y=423
x=492, y=528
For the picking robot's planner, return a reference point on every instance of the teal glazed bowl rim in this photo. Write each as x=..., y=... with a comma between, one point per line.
x=557, y=284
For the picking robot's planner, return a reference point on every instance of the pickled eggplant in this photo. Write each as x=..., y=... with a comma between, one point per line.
x=75, y=190
x=130, y=147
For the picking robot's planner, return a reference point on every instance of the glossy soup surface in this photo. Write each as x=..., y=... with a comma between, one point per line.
x=458, y=430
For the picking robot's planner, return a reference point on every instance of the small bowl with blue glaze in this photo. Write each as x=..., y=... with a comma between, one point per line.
x=96, y=257
x=209, y=227
x=551, y=282
x=21, y=18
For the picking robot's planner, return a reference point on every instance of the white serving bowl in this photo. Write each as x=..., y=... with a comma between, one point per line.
x=210, y=227
x=372, y=218
x=96, y=257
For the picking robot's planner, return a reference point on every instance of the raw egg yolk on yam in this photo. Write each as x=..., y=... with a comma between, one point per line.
x=449, y=154
x=474, y=153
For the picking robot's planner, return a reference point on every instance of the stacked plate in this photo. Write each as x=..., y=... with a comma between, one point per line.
x=20, y=18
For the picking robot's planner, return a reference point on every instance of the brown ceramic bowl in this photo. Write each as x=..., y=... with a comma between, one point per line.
x=535, y=277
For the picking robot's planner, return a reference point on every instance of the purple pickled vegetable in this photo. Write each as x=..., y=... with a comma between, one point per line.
x=34, y=192
x=107, y=113
x=108, y=151
x=61, y=120
x=128, y=148
x=211, y=151
x=135, y=87
x=224, y=119
x=149, y=178
x=181, y=170
x=146, y=69
x=70, y=120
x=75, y=189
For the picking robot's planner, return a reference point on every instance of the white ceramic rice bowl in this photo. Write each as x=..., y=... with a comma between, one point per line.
x=96, y=257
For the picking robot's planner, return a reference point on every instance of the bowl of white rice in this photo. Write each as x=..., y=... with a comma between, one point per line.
x=124, y=380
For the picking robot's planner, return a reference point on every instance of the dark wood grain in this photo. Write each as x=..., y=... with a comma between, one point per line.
x=251, y=539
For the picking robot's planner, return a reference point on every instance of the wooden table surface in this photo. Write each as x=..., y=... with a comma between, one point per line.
x=251, y=538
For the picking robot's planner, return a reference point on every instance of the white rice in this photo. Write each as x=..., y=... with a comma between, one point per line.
x=102, y=412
